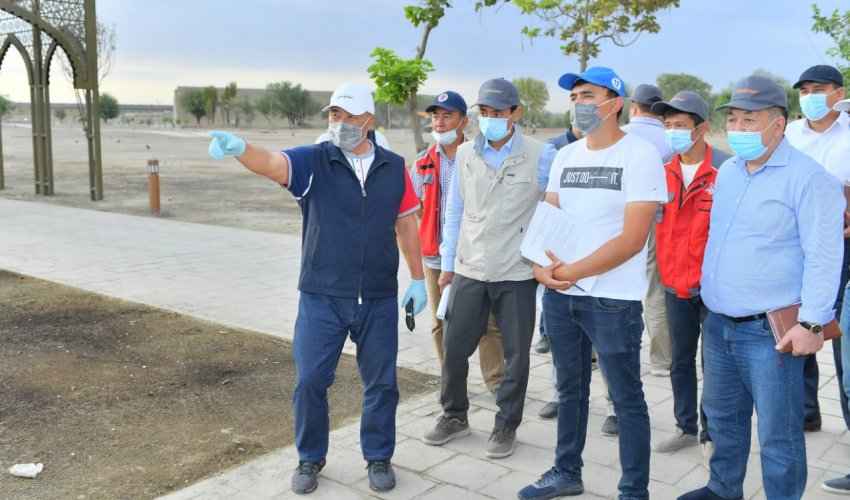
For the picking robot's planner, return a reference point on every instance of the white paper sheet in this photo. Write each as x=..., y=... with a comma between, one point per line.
x=551, y=230
x=444, y=302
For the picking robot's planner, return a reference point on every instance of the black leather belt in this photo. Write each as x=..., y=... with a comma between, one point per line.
x=744, y=319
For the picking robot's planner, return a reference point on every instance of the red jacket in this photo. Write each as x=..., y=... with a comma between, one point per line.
x=428, y=167
x=683, y=231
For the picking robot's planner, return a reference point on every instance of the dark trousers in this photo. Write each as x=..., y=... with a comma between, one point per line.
x=470, y=303
x=685, y=317
x=811, y=374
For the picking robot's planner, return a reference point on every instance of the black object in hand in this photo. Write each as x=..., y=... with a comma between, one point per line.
x=408, y=315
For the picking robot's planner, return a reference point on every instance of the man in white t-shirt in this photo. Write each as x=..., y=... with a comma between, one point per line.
x=610, y=184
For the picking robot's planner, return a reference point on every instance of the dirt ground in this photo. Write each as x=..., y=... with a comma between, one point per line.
x=120, y=400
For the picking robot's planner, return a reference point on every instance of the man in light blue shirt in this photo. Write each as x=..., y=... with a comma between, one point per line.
x=500, y=177
x=775, y=240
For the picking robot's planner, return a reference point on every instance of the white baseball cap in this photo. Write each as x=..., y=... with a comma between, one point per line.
x=842, y=105
x=353, y=97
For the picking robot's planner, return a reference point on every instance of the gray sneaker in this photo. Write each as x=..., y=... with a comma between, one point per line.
x=446, y=430
x=677, y=441
x=381, y=475
x=549, y=411
x=304, y=478
x=542, y=345
x=501, y=443
x=610, y=427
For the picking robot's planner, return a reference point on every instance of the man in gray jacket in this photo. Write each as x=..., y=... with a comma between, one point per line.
x=498, y=180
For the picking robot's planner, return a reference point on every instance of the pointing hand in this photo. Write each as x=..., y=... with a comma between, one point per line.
x=225, y=144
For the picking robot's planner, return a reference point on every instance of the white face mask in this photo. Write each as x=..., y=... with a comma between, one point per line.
x=345, y=135
x=445, y=138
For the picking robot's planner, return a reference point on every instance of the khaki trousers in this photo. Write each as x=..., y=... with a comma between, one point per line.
x=490, y=354
x=655, y=312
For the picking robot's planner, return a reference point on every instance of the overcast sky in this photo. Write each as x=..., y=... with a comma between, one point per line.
x=163, y=44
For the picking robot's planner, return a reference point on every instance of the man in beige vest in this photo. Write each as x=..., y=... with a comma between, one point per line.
x=498, y=180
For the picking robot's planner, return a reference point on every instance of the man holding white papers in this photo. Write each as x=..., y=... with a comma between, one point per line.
x=610, y=184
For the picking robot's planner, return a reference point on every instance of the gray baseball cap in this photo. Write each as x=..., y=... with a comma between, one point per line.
x=647, y=94
x=498, y=93
x=684, y=102
x=755, y=93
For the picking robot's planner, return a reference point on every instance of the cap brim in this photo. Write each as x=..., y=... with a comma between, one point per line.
x=842, y=105
x=818, y=80
x=659, y=108
x=746, y=105
x=567, y=80
x=494, y=104
x=441, y=106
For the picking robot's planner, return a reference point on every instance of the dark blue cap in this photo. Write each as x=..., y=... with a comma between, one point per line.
x=821, y=73
x=755, y=93
x=448, y=100
x=597, y=75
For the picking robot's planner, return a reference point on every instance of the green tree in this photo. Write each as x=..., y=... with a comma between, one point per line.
x=60, y=114
x=193, y=102
x=108, y=107
x=533, y=95
x=672, y=83
x=584, y=24
x=291, y=102
x=228, y=98
x=210, y=103
x=247, y=110
x=837, y=26
x=398, y=80
x=264, y=107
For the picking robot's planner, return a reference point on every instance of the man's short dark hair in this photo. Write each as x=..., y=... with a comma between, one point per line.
x=644, y=108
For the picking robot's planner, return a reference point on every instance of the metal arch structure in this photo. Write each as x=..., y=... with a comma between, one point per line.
x=36, y=29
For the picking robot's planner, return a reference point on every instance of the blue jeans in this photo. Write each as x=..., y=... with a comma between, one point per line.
x=743, y=369
x=685, y=317
x=321, y=328
x=614, y=328
x=844, y=323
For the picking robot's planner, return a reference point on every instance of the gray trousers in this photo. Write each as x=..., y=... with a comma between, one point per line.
x=470, y=304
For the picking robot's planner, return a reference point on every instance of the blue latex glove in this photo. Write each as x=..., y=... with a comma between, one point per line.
x=416, y=291
x=224, y=143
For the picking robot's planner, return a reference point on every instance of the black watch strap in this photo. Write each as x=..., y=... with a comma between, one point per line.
x=815, y=328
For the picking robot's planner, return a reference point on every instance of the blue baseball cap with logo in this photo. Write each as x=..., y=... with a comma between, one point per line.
x=448, y=100
x=597, y=75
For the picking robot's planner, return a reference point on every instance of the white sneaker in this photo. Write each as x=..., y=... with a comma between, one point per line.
x=707, y=450
x=675, y=442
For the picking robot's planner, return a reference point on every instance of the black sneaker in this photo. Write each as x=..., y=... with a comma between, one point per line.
x=381, y=475
x=304, y=478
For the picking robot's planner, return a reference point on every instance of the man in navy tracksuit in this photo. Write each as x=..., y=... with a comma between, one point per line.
x=354, y=197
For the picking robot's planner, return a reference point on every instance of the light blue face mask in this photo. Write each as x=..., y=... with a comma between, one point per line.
x=814, y=105
x=679, y=140
x=747, y=145
x=493, y=129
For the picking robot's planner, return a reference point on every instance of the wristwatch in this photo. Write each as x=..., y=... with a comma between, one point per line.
x=815, y=328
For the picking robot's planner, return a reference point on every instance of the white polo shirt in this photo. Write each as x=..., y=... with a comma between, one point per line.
x=830, y=148
x=593, y=188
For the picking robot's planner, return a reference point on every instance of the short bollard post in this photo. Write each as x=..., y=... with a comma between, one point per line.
x=153, y=186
